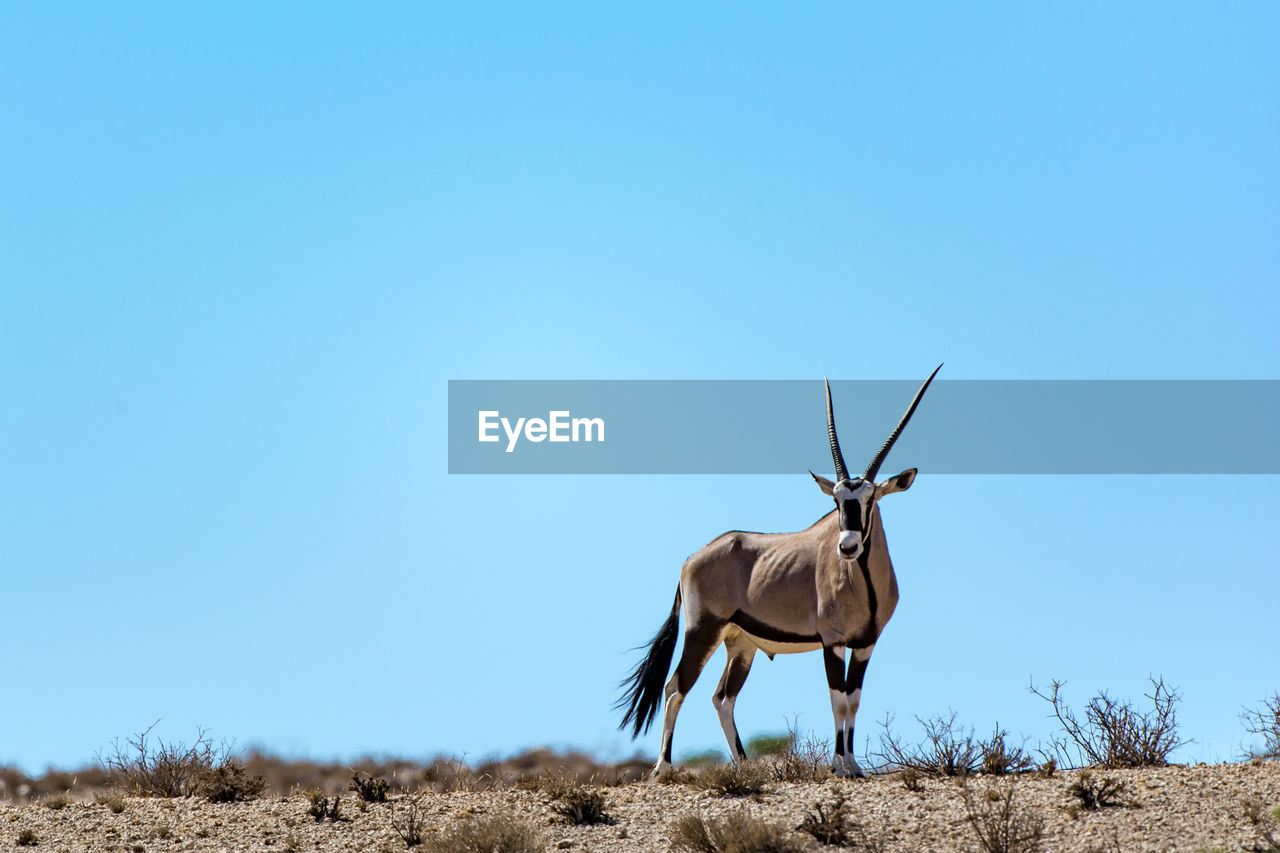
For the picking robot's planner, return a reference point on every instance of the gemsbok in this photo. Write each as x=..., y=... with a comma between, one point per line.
x=829, y=587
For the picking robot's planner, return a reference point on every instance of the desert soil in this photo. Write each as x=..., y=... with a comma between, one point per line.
x=1168, y=809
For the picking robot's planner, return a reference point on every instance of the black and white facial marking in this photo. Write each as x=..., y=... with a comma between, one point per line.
x=854, y=499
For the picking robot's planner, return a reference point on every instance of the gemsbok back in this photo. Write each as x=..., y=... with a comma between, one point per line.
x=829, y=587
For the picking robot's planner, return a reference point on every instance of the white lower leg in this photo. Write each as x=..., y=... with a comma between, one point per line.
x=673, y=703
x=854, y=699
x=840, y=712
x=724, y=708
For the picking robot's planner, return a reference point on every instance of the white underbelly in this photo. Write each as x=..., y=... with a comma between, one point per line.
x=772, y=647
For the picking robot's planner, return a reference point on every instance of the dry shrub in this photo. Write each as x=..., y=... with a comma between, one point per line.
x=999, y=759
x=319, y=806
x=946, y=750
x=800, y=758
x=911, y=780
x=580, y=805
x=576, y=803
x=1115, y=734
x=736, y=832
x=151, y=767
x=408, y=824
x=229, y=783
x=828, y=825
x=57, y=802
x=452, y=775
x=147, y=767
x=369, y=788
x=740, y=779
x=677, y=776
x=1000, y=824
x=1265, y=721
x=1094, y=793
x=487, y=835
x=114, y=802
x=26, y=838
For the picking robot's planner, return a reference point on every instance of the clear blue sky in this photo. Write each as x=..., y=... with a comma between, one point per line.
x=244, y=247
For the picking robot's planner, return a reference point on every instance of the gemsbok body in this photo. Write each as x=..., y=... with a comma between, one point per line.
x=830, y=587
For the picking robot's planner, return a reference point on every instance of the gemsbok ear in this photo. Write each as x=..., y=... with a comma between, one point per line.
x=899, y=483
x=823, y=483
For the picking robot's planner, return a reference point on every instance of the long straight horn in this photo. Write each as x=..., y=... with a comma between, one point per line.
x=874, y=467
x=836, y=456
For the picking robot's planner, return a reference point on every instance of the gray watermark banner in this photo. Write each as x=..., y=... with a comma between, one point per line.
x=779, y=427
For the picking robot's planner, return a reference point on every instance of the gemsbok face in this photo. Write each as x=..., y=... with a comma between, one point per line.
x=855, y=497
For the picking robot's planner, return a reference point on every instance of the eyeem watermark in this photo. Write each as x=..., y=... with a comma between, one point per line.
x=780, y=426
x=558, y=426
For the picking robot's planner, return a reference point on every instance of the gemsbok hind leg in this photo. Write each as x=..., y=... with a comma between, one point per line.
x=700, y=640
x=740, y=651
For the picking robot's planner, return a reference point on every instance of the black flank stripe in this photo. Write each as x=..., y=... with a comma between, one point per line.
x=768, y=632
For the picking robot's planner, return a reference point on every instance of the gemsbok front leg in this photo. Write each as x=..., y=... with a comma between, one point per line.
x=852, y=698
x=833, y=660
x=740, y=651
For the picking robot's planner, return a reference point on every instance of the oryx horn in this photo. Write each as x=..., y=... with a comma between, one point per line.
x=874, y=467
x=841, y=472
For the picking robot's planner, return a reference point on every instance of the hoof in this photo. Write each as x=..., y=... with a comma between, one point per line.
x=660, y=769
x=847, y=769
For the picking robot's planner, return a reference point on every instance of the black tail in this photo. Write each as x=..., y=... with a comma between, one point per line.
x=644, y=684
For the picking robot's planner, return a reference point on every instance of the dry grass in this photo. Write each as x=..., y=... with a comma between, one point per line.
x=574, y=802
x=736, y=832
x=58, y=802
x=284, y=776
x=114, y=802
x=487, y=835
x=1000, y=824
x=741, y=779
x=1114, y=733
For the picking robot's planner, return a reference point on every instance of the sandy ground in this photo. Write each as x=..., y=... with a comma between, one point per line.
x=1169, y=809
